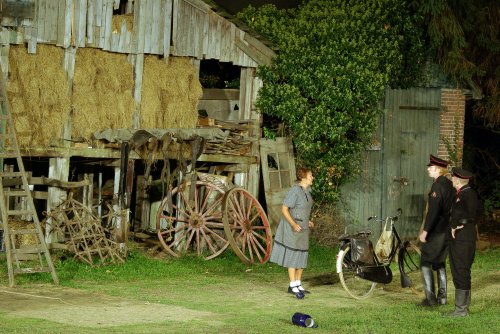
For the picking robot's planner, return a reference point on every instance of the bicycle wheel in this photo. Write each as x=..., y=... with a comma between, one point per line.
x=409, y=266
x=355, y=286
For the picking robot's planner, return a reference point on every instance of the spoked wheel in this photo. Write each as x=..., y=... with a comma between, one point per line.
x=355, y=286
x=192, y=224
x=409, y=266
x=246, y=226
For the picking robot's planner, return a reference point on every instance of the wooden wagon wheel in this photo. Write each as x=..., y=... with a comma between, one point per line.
x=193, y=224
x=246, y=226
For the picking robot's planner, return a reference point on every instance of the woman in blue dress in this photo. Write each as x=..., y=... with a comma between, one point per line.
x=291, y=240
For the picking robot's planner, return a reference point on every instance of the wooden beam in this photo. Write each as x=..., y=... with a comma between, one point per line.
x=220, y=94
x=103, y=153
x=253, y=52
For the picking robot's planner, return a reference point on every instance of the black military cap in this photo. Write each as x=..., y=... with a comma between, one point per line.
x=435, y=161
x=461, y=173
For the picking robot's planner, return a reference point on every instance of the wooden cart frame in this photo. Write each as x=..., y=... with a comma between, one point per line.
x=208, y=216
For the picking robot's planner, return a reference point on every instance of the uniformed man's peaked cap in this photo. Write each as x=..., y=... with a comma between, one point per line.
x=461, y=173
x=435, y=161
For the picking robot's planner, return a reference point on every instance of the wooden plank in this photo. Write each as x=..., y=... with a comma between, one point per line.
x=31, y=36
x=69, y=66
x=214, y=33
x=188, y=27
x=167, y=29
x=51, y=15
x=155, y=28
x=232, y=47
x=99, y=13
x=259, y=46
x=141, y=26
x=146, y=16
x=220, y=94
x=102, y=27
x=68, y=19
x=80, y=22
x=61, y=23
x=115, y=42
x=40, y=19
x=225, y=35
x=182, y=34
x=127, y=48
x=161, y=27
x=138, y=73
x=108, y=28
x=45, y=16
x=175, y=22
x=199, y=4
x=253, y=53
x=106, y=153
x=194, y=27
x=90, y=21
x=244, y=92
x=4, y=53
x=204, y=36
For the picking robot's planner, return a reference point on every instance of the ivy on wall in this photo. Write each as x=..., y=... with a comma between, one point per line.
x=334, y=60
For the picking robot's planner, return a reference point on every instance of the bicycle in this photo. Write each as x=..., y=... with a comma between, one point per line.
x=360, y=273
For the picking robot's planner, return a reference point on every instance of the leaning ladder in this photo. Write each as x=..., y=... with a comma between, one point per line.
x=14, y=189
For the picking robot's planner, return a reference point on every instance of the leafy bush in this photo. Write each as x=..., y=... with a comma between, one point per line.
x=335, y=58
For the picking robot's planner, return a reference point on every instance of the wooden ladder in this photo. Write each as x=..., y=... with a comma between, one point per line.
x=14, y=189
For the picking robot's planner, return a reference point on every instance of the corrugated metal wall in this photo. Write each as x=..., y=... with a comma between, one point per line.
x=395, y=176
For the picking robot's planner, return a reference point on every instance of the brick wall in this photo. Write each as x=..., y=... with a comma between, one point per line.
x=452, y=125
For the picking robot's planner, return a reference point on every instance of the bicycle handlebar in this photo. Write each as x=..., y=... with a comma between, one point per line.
x=393, y=218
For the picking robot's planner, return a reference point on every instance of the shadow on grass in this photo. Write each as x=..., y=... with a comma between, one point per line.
x=323, y=279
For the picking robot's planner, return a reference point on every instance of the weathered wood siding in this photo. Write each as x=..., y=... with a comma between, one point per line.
x=161, y=27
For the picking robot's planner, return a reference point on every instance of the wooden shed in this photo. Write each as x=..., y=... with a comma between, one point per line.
x=91, y=82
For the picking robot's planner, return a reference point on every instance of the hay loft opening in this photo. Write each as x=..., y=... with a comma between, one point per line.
x=216, y=74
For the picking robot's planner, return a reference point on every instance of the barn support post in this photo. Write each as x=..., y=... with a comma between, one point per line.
x=59, y=170
x=121, y=214
x=99, y=198
x=249, y=86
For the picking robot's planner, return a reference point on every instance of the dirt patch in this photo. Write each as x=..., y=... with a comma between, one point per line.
x=81, y=308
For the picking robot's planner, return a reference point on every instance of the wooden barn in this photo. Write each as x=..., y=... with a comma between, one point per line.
x=106, y=101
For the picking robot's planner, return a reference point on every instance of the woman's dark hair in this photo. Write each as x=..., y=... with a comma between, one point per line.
x=302, y=173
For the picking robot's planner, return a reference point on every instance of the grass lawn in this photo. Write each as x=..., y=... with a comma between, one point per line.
x=190, y=295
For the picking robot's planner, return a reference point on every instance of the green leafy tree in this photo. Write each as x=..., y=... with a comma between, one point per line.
x=463, y=39
x=334, y=60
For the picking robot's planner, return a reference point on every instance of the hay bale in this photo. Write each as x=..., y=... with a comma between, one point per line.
x=23, y=239
x=38, y=94
x=170, y=93
x=102, y=92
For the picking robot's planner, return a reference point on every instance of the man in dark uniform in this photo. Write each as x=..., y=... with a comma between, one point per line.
x=464, y=211
x=433, y=234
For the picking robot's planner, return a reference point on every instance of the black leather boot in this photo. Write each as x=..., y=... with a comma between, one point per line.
x=462, y=302
x=441, y=280
x=429, y=289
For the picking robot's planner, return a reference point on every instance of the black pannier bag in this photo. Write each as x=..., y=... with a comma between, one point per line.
x=362, y=251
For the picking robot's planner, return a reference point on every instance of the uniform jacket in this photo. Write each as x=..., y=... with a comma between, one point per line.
x=439, y=205
x=464, y=212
